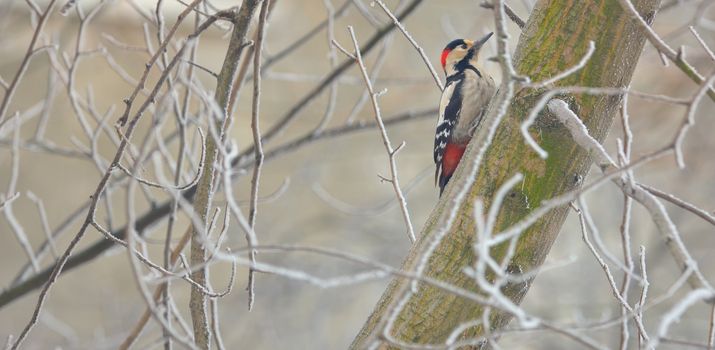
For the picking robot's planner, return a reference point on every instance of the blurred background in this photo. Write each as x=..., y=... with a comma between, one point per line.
x=325, y=193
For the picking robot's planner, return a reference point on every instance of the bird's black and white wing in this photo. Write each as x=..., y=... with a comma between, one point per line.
x=449, y=106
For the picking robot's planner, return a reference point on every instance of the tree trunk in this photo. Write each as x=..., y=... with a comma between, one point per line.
x=555, y=38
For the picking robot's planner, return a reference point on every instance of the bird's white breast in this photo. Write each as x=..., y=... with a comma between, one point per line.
x=476, y=94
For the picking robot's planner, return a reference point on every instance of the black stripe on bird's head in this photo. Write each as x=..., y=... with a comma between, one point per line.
x=458, y=45
x=462, y=51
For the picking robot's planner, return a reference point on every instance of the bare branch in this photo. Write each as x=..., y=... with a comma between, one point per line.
x=256, y=131
x=10, y=90
x=391, y=152
x=679, y=202
x=509, y=12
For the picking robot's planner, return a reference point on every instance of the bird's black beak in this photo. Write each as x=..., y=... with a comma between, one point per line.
x=479, y=43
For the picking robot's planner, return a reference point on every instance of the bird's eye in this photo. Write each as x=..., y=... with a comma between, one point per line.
x=464, y=46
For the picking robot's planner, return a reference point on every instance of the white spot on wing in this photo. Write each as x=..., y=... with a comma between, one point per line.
x=442, y=134
x=444, y=100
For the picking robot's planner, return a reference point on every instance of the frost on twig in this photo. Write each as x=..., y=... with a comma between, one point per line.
x=391, y=151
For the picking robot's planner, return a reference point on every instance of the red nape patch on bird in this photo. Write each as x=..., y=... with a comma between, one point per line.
x=443, y=59
x=452, y=155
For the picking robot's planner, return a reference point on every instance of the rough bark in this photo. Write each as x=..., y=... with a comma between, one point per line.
x=555, y=38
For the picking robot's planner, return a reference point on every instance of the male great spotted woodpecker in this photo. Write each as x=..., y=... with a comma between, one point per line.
x=464, y=101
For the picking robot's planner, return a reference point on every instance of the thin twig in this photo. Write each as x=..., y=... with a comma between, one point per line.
x=680, y=203
x=12, y=87
x=391, y=152
x=674, y=314
x=644, y=290
x=414, y=43
x=609, y=276
x=45, y=224
x=134, y=334
x=509, y=12
x=689, y=120
x=256, y=131
x=9, y=214
x=702, y=43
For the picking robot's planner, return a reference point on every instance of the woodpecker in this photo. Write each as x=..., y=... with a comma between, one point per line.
x=463, y=103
